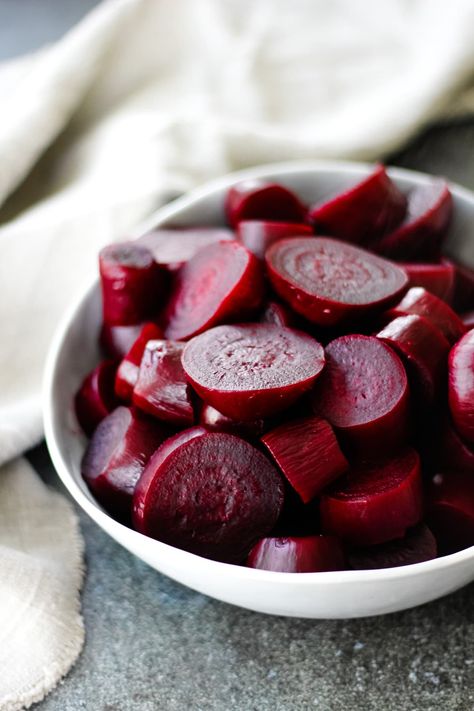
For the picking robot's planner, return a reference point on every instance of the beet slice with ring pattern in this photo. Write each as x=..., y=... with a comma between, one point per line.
x=303, y=554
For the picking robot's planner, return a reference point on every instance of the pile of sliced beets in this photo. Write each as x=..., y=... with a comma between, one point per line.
x=294, y=392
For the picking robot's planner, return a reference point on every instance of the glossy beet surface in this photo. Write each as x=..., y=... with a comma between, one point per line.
x=96, y=398
x=305, y=554
x=251, y=371
x=215, y=421
x=259, y=235
x=438, y=279
x=308, y=454
x=222, y=282
x=329, y=282
x=117, y=453
x=359, y=215
x=259, y=200
x=419, y=301
x=173, y=247
x=116, y=341
x=461, y=386
x=363, y=392
x=450, y=510
x=127, y=373
x=212, y=494
x=416, y=546
x=161, y=388
x=375, y=502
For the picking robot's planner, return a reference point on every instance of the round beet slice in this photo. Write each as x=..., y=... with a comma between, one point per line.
x=116, y=456
x=376, y=501
x=127, y=373
x=259, y=200
x=215, y=421
x=250, y=371
x=329, y=281
x=461, y=385
x=222, y=282
x=438, y=279
x=278, y=315
x=305, y=554
x=212, y=494
x=450, y=510
x=259, y=235
x=131, y=281
x=419, y=301
x=173, y=247
x=453, y=454
x=362, y=213
x=96, y=398
x=421, y=233
x=116, y=341
x=308, y=454
x=363, y=392
x=416, y=546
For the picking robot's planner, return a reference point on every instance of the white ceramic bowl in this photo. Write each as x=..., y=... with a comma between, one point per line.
x=317, y=595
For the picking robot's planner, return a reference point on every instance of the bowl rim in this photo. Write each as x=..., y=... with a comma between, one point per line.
x=243, y=573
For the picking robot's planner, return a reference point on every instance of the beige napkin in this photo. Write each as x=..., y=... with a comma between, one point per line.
x=142, y=100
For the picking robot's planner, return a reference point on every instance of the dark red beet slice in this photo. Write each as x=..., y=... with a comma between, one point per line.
x=363, y=392
x=461, y=385
x=259, y=200
x=463, y=298
x=435, y=278
x=307, y=453
x=375, y=502
x=116, y=456
x=416, y=546
x=132, y=283
x=220, y=283
x=425, y=225
x=127, y=373
x=468, y=319
x=116, y=341
x=250, y=371
x=424, y=351
x=212, y=494
x=259, y=235
x=329, y=281
x=173, y=247
x=278, y=315
x=161, y=388
x=450, y=510
x=306, y=554
x=96, y=398
x=359, y=215
x=215, y=421
x=453, y=454
x=419, y=301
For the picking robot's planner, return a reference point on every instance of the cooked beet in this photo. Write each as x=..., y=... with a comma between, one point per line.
x=209, y=493
x=359, y=215
x=308, y=454
x=305, y=554
x=461, y=385
x=423, y=349
x=419, y=301
x=421, y=233
x=463, y=299
x=259, y=235
x=376, y=501
x=453, y=454
x=222, y=282
x=450, y=510
x=116, y=456
x=416, y=546
x=363, y=392
x=329, y=281
x=438, y=279
x=250, y=371
x=116, y=341
x=278, y=315
x=161, y=388
x=173, y=247
x=96, y=398
x=468, y=319
x=259, y=200
x=215, y=421
x=127, y=373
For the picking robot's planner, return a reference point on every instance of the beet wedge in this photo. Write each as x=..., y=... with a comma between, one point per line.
x=252, y=371
x=171, y=248
x=419, y=301
x=127, y=373
x=259, y=235
x=438, y=279
x=95, y=399
x=259, y=200
x=209, y=493
x=416, y=546
x=461, y=386
x=305, y=554
x=450, y=510
x=330, y=282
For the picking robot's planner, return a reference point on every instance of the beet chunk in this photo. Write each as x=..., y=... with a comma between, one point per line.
x=308, y=454
x=116, y=341
x=95, y=398
x=425, y=225
x=173, y=247
x=419, y=301
x=376, y=501
x=438, y=279
x=161, y=388
x=371, y=208
x=259, y=235
x=250, y=371
x=416, y=546
x=329, y=281
x=127, y=373
x=461, y=386
x=220, y=283
x=306, y=554
x=450, y=510
x=259, y=200
x=363, y=392
x=209, y=493
x=117, y=453
x=215, y=421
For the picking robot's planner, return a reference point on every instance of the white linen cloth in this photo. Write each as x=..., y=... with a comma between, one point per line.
x=143, y=99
